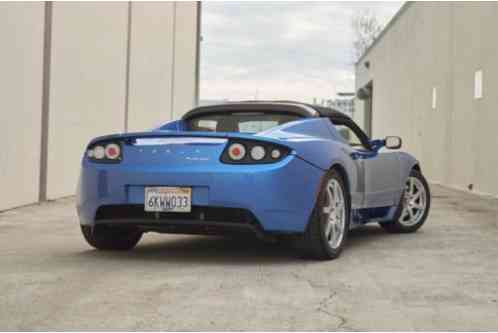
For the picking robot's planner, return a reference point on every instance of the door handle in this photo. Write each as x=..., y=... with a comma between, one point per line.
x=362, y=156
x=356, y=156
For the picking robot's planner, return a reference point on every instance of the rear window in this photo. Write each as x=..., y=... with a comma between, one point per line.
x=246, y=122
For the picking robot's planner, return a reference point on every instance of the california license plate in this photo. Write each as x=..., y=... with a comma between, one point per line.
x=168, y=199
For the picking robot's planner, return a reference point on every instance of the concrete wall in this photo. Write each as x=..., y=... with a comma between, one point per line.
x=151, y=69
x=185, y=70
x=21, y=36
x=87, y=84
x=109, y=67
x=439, y=46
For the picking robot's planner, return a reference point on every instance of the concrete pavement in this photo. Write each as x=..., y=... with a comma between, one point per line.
x=443, y=277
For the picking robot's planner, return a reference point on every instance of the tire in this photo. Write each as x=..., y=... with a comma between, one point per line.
x=324, y=240
x=411, y=201
x=111, y=238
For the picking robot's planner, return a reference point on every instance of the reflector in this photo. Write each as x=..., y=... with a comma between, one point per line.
x=99, y=152
x=275, y=154
x=258, y=153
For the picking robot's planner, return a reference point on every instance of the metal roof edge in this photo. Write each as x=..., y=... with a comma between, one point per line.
x=393, y=20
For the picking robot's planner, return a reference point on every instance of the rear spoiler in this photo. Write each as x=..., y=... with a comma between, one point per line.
x=131, y=138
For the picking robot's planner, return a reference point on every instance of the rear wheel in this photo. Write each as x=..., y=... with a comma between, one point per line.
x=111, y=238
x=329, y=224
x=414, y=206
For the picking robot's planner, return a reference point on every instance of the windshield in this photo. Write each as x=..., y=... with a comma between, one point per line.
x=241, y=122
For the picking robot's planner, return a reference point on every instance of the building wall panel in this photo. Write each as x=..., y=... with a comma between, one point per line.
x=185, y=63
x=87, y=84
x=163, y=77
x=439, y=45
x=151, y=65
x=21, y=68
x=108, y=67
x=486, y=133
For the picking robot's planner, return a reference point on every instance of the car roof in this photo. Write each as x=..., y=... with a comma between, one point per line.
x=291, y=107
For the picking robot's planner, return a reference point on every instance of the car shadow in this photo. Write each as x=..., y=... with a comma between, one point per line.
x=364, y=235
x=223, y=250
x=202, y=249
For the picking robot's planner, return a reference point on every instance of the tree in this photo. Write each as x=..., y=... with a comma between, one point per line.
x=366, y=29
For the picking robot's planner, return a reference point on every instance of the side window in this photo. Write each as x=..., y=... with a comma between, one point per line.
x=348, y=135
x=352, y=134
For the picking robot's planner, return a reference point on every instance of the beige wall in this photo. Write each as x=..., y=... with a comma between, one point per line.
x=439, y=45
x=185, y=66
x=163, y=77
x=151, y=64
x=21, y=35
x=87, y=83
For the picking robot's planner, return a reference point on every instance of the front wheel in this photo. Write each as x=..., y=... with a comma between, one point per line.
x=328, y=228
x=414, y=206
x=103, y=237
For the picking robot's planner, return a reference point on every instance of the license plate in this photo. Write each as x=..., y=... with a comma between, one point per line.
x=168, y=199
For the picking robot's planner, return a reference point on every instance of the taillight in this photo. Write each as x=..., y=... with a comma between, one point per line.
x=112, y=151
x=236, y=151
x=252, y=152
x=275, y=154
x=98, y=152
x=258, y=153
x=104, y=152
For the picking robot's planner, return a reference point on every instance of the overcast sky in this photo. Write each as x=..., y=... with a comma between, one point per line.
x=286, y=50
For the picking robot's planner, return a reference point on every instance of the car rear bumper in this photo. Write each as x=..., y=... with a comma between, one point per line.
x=279, y=196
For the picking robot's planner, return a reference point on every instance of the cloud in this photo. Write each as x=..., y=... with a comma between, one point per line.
x=289, y=50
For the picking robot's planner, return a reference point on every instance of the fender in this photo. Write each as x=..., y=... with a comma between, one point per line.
x=324, y=148
x=408, y=162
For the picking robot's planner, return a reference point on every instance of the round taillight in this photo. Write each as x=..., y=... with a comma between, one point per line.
x=275, y=154
x=258, y=153
x=236, y=151
x=112, y=151
x=98, y=152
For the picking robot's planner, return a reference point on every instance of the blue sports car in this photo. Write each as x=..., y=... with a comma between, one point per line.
x=274, y=168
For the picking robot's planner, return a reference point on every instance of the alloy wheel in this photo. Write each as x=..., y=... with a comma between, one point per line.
x=335, y=214
x=414, y=202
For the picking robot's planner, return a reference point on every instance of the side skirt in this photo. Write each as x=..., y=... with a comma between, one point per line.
x=377, y=214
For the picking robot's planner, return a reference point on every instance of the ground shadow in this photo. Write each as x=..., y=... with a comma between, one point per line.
x=224, y=250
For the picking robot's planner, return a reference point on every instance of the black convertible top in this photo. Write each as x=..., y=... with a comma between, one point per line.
x=297, y=108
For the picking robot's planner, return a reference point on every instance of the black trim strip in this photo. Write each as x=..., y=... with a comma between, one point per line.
x=127, y=70
x=45, y=105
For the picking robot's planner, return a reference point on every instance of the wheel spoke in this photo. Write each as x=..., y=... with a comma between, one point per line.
x=339, y=199
x=330, y=191
x=328, y=230
x=412, y=216
x=338, y=211
x=404, y=213
x=334, y=191
x=330, y=207
x=339, y=225
x=418, y=206
x=337, y=231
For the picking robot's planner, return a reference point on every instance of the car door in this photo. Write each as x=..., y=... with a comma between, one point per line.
x=379, y=173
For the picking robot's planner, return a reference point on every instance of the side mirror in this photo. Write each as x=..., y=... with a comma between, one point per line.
x=392, y=142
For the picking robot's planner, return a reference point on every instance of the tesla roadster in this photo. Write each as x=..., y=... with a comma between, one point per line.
x=276, y=169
